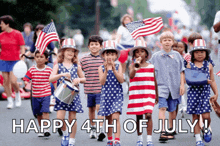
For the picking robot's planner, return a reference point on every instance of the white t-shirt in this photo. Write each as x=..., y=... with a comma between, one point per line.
x=126, y=38
x=216, y=20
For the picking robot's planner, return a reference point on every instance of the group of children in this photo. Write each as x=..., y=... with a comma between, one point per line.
x=157, y=79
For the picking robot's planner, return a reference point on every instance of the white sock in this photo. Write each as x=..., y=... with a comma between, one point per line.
x=65, y=133
x=101, y=129
x=149, y=138
x=198, y=137
x=72, y=141
x=17, y=94
x=140, y=138
x=10, y=99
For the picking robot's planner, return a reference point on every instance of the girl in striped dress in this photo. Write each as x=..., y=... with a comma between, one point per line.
x=143, y=93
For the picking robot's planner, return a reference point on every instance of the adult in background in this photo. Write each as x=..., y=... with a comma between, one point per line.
x=79, y=39
x=50, y=47
x=124, y=37
x=12, y=46
x=216, y=26
x=28, y=35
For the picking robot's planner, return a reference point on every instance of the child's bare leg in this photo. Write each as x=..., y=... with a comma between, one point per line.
x=109, y=118
x=138, y=117
x=162, y=117
x=39, y=118
x=206, y=116
x=201, y=123
x=172, y=116
x=196, y=128
x=61, y=116
x=115, y=116
x=149, y=123
x=45, y=116
x=92, y=114
x=99, y=117
x=72, y=116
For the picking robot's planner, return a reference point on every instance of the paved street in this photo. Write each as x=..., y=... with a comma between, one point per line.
x=7, y=138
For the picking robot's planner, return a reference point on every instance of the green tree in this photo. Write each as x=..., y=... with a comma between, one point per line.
x=40, y=11
x=82, y=16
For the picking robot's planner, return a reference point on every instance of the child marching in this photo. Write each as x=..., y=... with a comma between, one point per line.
x=68, y=67
x=199, y=96
x=143, y=92
x=169, y=69
x=111, y=77
x=92, y=87
x=41, y=91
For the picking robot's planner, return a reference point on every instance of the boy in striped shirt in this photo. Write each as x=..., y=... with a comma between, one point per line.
x=41, y=90
x=92, y=87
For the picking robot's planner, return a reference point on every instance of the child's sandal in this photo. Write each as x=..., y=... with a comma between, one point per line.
x=163, y=136
x=170, y=136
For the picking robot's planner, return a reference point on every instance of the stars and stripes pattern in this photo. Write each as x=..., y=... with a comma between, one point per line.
x=109, y=44
x=145, y=27
x=46, y=36
x=142, y=92
x=68, y=43
x=218, y=73
x=199, y=44
x=187, y=57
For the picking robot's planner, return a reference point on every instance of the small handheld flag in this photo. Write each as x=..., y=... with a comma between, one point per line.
x=145, y=27
x=46, y=36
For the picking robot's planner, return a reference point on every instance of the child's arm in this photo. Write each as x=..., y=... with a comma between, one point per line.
x=118, y=74
x=213, y=84
x=54, y=76
x=182, y=82
x=132, y=71
x=81, y=78
x=102, y=75
x=156, y=89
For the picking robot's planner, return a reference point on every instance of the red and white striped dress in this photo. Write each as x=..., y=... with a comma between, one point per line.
x=142, y=92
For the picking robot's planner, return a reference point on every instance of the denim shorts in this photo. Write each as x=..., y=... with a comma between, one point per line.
x=170, y=104
x=41, y=105
x=7, y=66
x=93, y=99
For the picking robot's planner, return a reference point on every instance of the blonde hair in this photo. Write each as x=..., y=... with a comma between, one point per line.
x=167, y=34
x=123, y=18
x=60, y=57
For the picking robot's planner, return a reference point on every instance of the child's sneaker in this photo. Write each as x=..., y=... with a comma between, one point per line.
x=40, y=134
x=207, y=136
x=117, y=143
x=47, y=133
x=139, y=143
x=200, y=143
x=93, y=133
x=150, y=143
x=101, y=136
x=65, y=141
x=10, y=103
x=109, y=143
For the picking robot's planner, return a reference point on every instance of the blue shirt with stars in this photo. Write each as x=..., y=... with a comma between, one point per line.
x=168, y=67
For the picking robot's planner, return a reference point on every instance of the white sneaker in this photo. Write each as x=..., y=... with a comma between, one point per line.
x=93, y=133
x=40, y=134
x=10, y=103
x=17, y=100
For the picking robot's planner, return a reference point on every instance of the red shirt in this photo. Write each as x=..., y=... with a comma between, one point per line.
x=10, y=45
x=40, y=81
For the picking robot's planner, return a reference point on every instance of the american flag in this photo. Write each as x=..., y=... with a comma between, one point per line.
x=46, y=36
x=218, y=73
x=145, y=27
